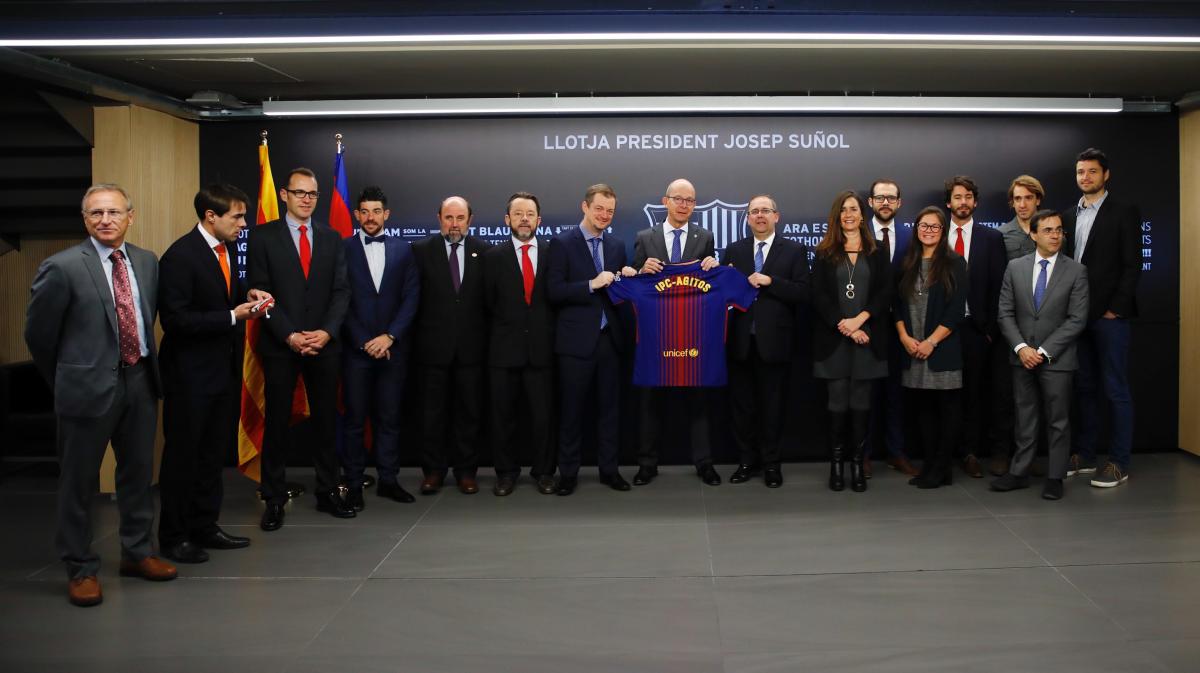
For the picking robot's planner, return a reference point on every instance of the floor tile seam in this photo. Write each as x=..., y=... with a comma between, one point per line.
x=843, y=518
x=1124, y=512
x=228, y=578
x=718, y=576
x=411, y=528
x=615, y=524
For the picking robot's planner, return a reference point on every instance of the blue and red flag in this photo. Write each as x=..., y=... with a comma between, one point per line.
x=339, y=204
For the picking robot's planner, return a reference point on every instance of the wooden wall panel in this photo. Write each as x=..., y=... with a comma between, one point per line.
x=1189, y=284
x=17, y=269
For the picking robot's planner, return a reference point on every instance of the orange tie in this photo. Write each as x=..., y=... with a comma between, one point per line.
x=223, y=258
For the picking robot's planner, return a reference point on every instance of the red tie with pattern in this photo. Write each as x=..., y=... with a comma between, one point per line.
x=305, y=250
x=958, y=245
x=127, y=332
x=527, y=273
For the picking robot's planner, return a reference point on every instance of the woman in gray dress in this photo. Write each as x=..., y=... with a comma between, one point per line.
x=851, y=297
x=931, y=301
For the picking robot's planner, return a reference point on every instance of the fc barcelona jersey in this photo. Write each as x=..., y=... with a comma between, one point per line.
x=681, y=322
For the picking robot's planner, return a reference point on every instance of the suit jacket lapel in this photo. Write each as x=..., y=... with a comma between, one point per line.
x=213, y=267
x=1060, y=270
x=692, y=244
x=359, y=269
x=659, y=243
x=91, y=260
x=773, y=253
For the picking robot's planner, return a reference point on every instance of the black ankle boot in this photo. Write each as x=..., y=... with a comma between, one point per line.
x=837, y=479
x=858, y=441
x=858, y=478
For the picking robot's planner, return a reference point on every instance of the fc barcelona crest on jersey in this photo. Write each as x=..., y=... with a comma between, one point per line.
x=726, y=221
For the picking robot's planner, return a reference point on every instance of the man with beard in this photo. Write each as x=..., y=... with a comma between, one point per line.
x=521, y=332
x=450, y=343
x=983, y=249
x=887, y=417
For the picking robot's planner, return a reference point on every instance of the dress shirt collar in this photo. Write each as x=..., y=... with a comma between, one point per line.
x=588, y=237
x=1083, y=204
x=105, y=252
x=531, y=242
x=295, y=224
x=209, y=238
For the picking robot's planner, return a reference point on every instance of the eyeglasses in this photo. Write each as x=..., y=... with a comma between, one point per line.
x=929, y=227
x=761, y=211
x=97, y=215
x=301, y=194
x=885, y=199
x=683, y=200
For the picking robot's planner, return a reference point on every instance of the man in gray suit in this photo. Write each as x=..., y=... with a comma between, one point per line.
x=677, y=240
x=90, y=329
x=1043, y=310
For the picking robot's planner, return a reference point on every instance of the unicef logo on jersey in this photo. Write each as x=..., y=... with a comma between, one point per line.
x=726, y=221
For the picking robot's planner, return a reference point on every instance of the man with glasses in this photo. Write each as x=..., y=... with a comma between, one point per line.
x=302, y=264
x=887, y=410
x=90, y=329
x=677, y=240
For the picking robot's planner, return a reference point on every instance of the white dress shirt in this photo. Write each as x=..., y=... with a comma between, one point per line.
x=212, y=245
x=294, y=229
x=1037, y=270
x=966, y=236
x=533, y=252
x=891, y=236
x=766, y=249
x=376, y=258
x=106, y=263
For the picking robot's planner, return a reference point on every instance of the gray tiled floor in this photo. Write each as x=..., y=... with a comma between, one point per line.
x=672, y=577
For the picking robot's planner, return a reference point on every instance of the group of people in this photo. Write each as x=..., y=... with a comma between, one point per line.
x=965, y=328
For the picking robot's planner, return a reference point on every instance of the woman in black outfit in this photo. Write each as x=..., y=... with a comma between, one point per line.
x=931, y=300
x=852, y=297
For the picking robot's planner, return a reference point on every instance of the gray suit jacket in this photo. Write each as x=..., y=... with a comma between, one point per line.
x=1054, y=327
x=71, y=327
x=651, y=243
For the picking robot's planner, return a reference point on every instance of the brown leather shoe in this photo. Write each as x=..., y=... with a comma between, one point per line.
x=971, y=466
x=901, y=465
x=431, y=484
x=84, y=591
x=150, y=568
x=867, y=468
x=998, y=465
x=467, y=484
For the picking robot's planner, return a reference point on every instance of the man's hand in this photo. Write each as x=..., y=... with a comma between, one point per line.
x=628, y=271
x=378, y=347
x=709, y=263
x=311, y=342
x=604, y=279
x=1030, y=358
x=652, y=265
x=924, y=350
x=296, y=342
x=258, y=295
x=1109, y=315
x=243, y=312
x=860, y=337
x=757, y=279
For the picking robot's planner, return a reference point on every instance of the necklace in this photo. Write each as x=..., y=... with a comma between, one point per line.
x=850, y=285
x=921, y=280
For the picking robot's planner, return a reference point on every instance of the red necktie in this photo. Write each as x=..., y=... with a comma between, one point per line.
x=305, y=250
x=223, y=259
x=127, y=332
x=527, y=273
x=958, y=245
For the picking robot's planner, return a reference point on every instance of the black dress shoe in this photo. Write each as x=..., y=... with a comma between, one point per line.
x=185, y=552
x=566, y=485
x=222, y=540
x=545, y=484
x=709, y=475
x=645, y=475
x=742, y=474
x=272, y=518
x=1052, y=489
x=394, y=491
x=615, y=481
x=504, y=485
x=368, y=481
x=334, y=504
x=773, y=477
x=354, y=499
x=1009, y=482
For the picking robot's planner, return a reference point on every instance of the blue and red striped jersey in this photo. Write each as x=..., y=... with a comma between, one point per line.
x=682, y=314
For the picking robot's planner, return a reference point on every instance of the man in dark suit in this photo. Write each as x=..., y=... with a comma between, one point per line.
x=384, y=289
x=983, y=362
x=1104, y=235
x=762, y=339
x=887, y=408
x=302, y=264
x=1042, y=311
x=580, y=263
x=675, y=241
x=203, y=320
x=90, y=329
x=451, y=335
x=520, y=359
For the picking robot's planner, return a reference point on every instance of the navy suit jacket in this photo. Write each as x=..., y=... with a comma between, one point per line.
x=902, y=237
x=773, y=313
x=388, y=310
x=569, y=268
x=986, y=261
x=1113, y=257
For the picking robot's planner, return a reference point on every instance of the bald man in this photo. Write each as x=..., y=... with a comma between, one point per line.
x=449, y=347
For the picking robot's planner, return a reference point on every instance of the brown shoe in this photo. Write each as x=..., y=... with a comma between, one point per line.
x=150, y=568
x=998, y=465
x=971, y=466
x=431, y=484
x=84, y=591
x=901, y=465
x=867, y=468
x=467, y=484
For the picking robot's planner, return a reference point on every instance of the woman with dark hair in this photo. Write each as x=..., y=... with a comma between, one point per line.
x=930, y=302
x=852, y=297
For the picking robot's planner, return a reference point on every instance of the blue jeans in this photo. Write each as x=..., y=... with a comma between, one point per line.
x=1104, y=367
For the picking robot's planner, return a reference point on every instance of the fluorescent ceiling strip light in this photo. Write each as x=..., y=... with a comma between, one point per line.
x=450, y=107
x=644, y=38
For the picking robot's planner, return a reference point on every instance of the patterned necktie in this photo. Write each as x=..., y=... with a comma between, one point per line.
x=305, y=250
x=599, y=268
x=887, y=242
x=676, y=248
x=455, y=274
x=127, y=332
x=223, y=260
x=527, y=273
x=1039, y=288
x=758, y=257
x=959, y=248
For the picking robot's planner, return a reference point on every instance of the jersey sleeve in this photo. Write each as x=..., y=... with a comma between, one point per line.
x=622, y=289
x=738, y=291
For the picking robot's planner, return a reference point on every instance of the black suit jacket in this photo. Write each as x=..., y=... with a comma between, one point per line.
x=301, y=304
x=1113, y=257
x=569, y=268
x=825, y=290
x=773, y=314
x=943, y=309
x=388, y=310
x=986, y=261
x=520, y=334
x=651, y=242
x=201, y=350
x=450, y=326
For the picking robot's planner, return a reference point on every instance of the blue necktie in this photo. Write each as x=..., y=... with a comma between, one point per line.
x=1039, y=288
x=599, y=268
x=758, y=257
x=676, y=248
x=375, y=239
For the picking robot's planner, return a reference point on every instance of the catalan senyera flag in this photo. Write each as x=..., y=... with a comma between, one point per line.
x=339, y=203
x=253, y=414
